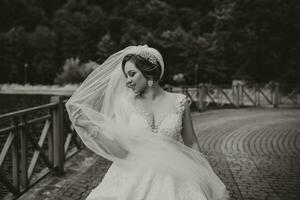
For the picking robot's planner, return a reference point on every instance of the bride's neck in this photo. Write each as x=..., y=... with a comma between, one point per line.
x=153, y=92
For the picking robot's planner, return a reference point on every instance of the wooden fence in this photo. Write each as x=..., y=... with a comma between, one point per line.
x=41, y=134
x=220, y=96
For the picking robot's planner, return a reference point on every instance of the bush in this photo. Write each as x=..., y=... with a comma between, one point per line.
x=74, y=71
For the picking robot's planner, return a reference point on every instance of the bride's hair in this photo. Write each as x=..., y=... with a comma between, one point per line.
x=148, y=69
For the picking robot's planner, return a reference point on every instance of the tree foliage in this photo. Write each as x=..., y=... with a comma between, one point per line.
x=74, y=71
x=206, y=41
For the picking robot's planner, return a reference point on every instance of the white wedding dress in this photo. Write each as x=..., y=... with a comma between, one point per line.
x=121, y=183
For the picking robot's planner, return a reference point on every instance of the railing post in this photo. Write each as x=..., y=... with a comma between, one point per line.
x=238, y=95
x=272, y=91
x=197, y=97
x=23, y=134
x=218, y=97
x=58, y=135
x=276, y=96
x=201, y=97
x=242, y=94
x=50, y=146
x=233, y=89
x=257, y=95
x=15, y=155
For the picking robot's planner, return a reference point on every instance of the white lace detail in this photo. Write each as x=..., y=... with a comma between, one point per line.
x=180, y=103
x=168, y=125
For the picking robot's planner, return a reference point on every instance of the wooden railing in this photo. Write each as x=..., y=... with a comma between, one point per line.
x=39, y=137
x=239, y=95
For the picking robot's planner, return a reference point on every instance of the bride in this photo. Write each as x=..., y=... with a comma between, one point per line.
x=121, y=113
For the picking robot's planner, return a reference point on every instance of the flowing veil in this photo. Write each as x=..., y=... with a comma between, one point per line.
x=98, y=111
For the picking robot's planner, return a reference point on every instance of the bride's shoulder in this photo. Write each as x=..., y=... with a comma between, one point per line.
x=176, y=97
x=178, y=100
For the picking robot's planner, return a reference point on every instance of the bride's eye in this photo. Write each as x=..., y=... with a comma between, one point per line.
x=131, y=74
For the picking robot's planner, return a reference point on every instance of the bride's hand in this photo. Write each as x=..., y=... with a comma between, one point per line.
x=84, y=124
x=112, y=146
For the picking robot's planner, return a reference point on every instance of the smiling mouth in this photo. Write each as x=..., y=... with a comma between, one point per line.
x=131, y=86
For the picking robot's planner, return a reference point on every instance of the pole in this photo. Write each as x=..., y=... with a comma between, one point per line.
x=25, y=73
x=196, y=75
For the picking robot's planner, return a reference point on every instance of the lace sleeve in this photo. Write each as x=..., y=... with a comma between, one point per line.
x=181, y=100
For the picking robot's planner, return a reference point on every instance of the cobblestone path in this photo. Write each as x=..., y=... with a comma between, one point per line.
x=256, y=152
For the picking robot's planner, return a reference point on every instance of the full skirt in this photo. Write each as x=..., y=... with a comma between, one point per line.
x=121, y=183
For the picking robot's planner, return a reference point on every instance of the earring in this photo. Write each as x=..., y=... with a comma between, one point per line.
x=150, y=83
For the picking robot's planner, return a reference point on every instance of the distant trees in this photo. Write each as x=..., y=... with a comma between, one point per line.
x=205, y=41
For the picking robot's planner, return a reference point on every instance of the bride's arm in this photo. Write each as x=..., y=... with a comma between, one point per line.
x=188, y=133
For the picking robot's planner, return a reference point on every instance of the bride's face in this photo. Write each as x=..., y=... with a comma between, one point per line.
x=134, y=78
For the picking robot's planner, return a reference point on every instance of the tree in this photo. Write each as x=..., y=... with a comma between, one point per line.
x=6, y=58
x=43, y=67
x=105, y=48
x=20, y=13
x=74, y=71
x=265, y=34
x=17, y=52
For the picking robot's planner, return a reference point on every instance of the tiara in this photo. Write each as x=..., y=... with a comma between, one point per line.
x=148, y=56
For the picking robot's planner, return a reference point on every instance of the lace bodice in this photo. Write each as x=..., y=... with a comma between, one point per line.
x=169, y=125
